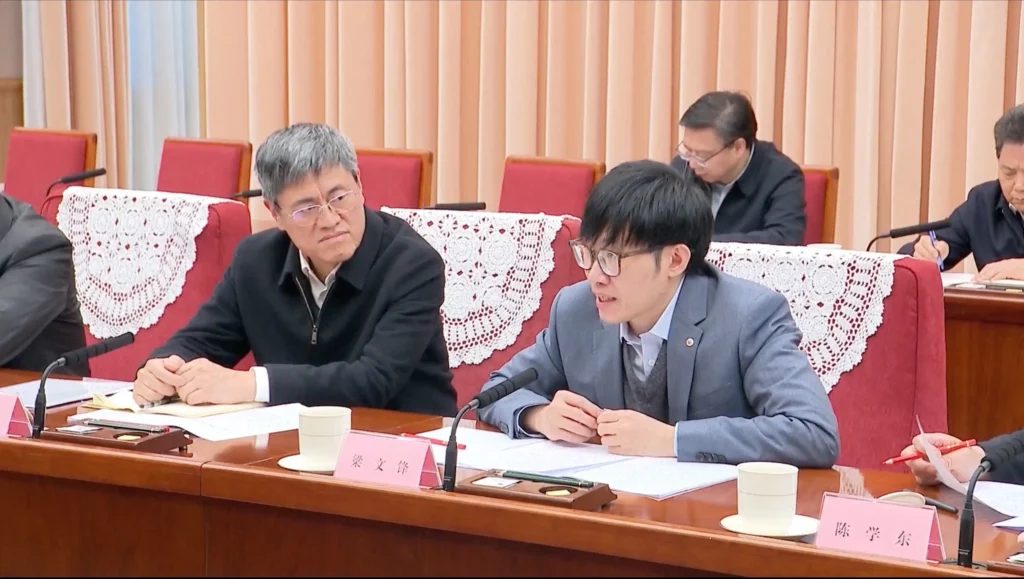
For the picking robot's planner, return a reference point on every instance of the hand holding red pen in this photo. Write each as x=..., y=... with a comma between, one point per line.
x=961, y=462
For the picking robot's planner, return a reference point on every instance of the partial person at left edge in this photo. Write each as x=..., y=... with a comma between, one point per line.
x=340, y=305
x=40, y=318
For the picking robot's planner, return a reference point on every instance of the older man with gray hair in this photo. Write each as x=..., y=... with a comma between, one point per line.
x=340, y=305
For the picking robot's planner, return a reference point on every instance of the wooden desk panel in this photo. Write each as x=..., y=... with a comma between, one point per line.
x=984, y=362
x=72, y=509
x=325, y=526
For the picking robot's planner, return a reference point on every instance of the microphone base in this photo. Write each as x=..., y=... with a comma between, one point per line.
x=953, y=562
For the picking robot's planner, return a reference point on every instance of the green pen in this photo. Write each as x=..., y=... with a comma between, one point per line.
x=551, y=480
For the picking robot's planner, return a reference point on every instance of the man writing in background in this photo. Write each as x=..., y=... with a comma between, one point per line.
x=757, y=193
x=340, y=305
x=659, y=354
x=990, y=223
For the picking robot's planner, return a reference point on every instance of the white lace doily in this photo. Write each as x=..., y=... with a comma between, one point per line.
x=132, y=250
x=835, y=296
x=495, y=264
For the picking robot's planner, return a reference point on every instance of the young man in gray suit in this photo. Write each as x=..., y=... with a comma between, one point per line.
x=658, y=353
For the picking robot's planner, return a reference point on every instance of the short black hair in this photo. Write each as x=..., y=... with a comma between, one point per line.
x=650, y=204
x=1010, y=128
x=729, y=113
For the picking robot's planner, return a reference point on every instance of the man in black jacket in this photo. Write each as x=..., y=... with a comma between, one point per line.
x=989, y=223
x=340, y=305
x=757, y=193
x=40, y=317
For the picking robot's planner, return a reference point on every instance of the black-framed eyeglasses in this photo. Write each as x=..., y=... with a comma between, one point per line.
x=309, y=215
x=609, y=261
x=701, y=162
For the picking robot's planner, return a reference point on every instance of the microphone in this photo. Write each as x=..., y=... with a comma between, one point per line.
x=467, y=206
x=73, y=357
x=74, y=178
x=910, y=230
x=485, y=398
x=999, y=452
x=248, y=194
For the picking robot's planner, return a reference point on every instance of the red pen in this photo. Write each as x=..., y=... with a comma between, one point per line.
x=460, y=446
x=941, y=449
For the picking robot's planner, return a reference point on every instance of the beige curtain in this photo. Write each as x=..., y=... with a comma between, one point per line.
x=900, y=95
x=85, y=76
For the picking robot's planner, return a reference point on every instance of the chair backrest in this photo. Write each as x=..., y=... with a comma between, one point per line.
x=503, y=271
x=400, y=178
x=205, y=167
x=821, y=187
x=546, y=185
x=872, y=328
x=36, y=158
x=152, y=288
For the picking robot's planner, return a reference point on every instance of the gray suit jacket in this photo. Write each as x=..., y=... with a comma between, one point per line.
x=740, y=391
x=40, y=317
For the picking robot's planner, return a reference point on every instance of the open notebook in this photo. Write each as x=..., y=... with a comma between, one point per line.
x=123, y=401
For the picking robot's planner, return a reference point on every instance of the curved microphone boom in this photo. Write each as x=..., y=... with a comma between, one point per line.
x=72, y=357
x=248, y=194
x=485, y=398
x=74, y=178
x=910, y=230
x=999, y=452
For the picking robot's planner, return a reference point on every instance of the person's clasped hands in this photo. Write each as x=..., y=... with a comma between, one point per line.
x=199, y=381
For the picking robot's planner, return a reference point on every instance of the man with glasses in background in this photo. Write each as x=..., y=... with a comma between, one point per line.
x=659, y=354
x=340, y=305
x=757, y=193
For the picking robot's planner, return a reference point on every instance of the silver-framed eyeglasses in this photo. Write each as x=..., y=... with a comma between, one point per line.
x=609, y=261
x=309, y=215
x=692, y=158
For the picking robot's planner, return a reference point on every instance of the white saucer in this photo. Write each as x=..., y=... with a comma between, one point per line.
x=302, y=464
x=799, y=527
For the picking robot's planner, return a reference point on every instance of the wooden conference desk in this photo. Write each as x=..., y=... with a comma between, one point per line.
x=227, y=509
x=984, y=362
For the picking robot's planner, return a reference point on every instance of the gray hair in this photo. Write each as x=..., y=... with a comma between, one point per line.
x=293, y=153
x=1010, y=128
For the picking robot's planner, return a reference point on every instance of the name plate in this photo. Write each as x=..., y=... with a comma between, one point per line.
x=873, y=527
x=385, y=459
x=14, y=420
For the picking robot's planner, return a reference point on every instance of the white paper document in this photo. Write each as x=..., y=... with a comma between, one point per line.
x=217, y=428
x=935, y=457
x=1016, y=524
x=950, y=279
x=1003, y=497
x=658, y=478
x=60, y=392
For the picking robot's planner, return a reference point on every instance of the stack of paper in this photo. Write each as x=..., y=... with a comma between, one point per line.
x=60, y=392
x=217, y=428
x=124, y=400
x=657, y=478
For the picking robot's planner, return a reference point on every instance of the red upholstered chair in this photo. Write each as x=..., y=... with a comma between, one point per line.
x=549, y=186
x=205, y=167
x=399, y=178
x=821, y=187
x=469, y=378
x=901, y=374
x=38, y=157
x=227, y=223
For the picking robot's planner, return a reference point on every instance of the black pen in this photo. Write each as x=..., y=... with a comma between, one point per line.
x=551, y=480
x=938, y=504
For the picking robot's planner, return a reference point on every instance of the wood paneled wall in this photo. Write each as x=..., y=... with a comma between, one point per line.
x=11, y=115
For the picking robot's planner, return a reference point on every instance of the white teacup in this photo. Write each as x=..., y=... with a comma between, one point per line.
x=766, y=496
x=824, y=246
x=322, y=429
